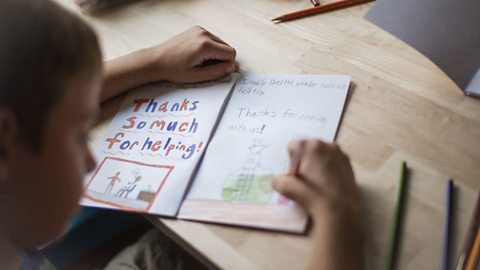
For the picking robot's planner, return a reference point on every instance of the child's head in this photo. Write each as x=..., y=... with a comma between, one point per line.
x=50, y=79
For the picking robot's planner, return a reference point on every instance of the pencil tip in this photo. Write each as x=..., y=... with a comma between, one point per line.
x=277, y=19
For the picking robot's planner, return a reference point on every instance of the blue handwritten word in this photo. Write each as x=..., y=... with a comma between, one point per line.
x=166, y=147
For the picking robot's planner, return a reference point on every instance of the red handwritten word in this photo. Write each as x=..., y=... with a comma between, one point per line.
x=153, y=106
x=162, y=125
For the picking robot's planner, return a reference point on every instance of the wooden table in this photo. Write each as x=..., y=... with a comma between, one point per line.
x=401, y=107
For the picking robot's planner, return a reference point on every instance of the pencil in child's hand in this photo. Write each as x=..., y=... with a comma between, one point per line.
x=295, y=166
x=447, y=225
x=293, y=171
x=396, y=220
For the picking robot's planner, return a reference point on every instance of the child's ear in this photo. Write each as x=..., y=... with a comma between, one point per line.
x=8, y=133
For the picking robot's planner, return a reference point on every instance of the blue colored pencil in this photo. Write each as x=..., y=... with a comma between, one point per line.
x=447, y=225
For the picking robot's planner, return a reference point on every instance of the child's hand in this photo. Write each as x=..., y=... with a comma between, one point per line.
x=192, y=56
x=195, y=55
x=325, y=180
x=325, y=187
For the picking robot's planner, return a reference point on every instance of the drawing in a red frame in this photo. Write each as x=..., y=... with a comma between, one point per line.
x=121, y=183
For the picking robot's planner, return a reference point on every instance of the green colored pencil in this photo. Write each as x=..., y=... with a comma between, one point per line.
x=396, y=219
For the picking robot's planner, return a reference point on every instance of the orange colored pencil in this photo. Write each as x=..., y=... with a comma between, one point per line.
x=470, y=238
x=318, y=9
x=473, y=257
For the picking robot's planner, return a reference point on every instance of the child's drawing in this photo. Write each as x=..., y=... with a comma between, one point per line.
x=113, y=180
x=141, y=183
x=252, y=182
x=130, y=186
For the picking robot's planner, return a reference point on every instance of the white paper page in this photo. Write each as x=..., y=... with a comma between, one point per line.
x=148, y=154
x=265, y=113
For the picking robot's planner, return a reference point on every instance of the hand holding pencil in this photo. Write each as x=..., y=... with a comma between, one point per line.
x=321, y=180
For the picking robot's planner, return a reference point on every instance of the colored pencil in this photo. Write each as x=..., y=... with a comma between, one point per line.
x=473, y=257
x=294, y=167
x=396, y=219
x=472, y=228
x=447, y=225
x=318, y=9
x=296, y=160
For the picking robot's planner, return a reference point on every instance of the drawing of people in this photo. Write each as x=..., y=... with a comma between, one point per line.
x=113, y=180
x=129, y=187
x=134, y=185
